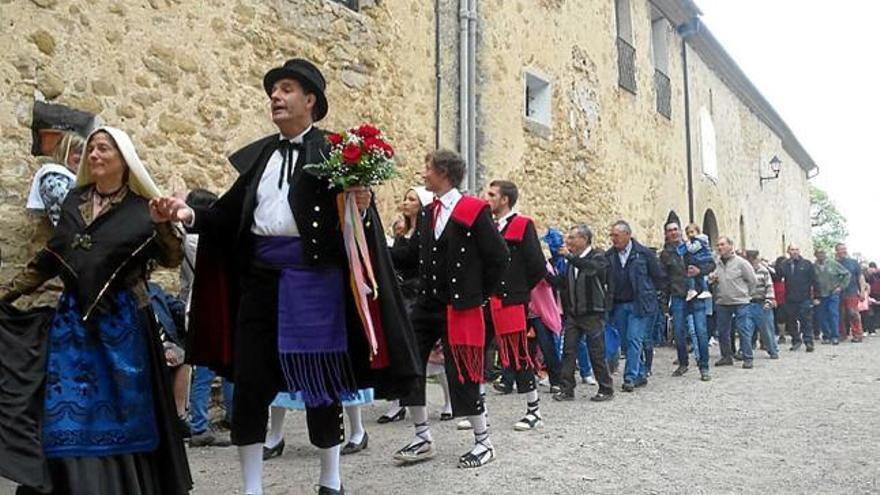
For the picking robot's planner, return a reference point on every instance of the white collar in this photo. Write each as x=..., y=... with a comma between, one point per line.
x=296, y=139
x=586, y=252
x=450, y=198
x=502, y=222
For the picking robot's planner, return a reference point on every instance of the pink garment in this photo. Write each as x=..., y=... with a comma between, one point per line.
x=545, y=305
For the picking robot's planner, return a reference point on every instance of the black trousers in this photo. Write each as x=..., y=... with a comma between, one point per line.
x=429, y=324
x=593, y=327
x=525, y=376
x=257, y=373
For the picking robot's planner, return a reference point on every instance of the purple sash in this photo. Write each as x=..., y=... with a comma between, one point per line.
x=312, y=343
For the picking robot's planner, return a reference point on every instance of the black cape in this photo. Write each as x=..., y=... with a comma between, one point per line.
x=24, y=341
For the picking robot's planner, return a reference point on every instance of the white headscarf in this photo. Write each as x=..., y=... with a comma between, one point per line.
x=139, y=180
x=425, y=196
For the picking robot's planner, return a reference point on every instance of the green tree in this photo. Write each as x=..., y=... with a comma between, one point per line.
x=829, y=225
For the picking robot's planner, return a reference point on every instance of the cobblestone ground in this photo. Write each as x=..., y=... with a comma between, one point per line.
x=808, y=423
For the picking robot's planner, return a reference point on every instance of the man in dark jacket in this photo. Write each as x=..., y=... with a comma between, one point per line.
x=280, y=226
x=800, y=280
x=634, y=274
x=583, y=290
x=677, y=273
x=461, y=259
x=527, y=267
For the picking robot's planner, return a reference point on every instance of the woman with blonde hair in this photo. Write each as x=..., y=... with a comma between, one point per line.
x=56, y=177
x=105, y=423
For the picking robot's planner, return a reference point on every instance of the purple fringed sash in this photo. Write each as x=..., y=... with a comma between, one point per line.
x=312, y=344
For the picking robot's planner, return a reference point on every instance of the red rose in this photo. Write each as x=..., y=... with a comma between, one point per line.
x=351, y=154
x=372, y=143
x=389, y=151
x=367, y=131
x=334, y=139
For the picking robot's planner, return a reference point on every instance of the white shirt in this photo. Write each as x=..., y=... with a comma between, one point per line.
x=273, y=216
x=502, y=222
x=447, y=204
x=624, y=255
x=582, y=255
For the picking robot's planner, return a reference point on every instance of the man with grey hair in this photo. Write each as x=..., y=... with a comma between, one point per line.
x=735, y=283
x=634, y=275
x=584, y=291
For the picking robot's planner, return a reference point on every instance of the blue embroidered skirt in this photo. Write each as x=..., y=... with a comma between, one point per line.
x=99, y=396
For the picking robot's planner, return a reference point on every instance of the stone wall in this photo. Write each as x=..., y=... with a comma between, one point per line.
x=184, y=79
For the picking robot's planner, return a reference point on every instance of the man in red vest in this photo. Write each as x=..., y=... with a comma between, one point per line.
x=507, y=313
x=461, y=259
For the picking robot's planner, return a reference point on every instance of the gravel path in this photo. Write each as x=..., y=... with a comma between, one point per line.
x=807, y=423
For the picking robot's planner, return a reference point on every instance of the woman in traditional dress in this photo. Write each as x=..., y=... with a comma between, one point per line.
x=413, y=201
x=108, y=422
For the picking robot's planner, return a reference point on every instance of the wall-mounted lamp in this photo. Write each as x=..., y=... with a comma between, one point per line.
x=775, y=168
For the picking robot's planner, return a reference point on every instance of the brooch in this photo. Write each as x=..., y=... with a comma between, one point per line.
x=83, y=241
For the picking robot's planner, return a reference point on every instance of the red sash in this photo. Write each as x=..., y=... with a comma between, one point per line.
x=465, y=327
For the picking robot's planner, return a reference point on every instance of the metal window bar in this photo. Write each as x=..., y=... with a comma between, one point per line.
x=352, y=4
x=663, y=86
x=626, y=65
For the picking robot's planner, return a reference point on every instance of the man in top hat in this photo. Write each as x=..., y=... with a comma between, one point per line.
x=297, y=327
x=461, y=258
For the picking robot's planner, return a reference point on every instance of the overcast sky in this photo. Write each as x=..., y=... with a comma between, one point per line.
x=817, y=63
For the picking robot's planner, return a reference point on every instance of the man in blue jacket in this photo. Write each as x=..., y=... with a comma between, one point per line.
x=634, y=275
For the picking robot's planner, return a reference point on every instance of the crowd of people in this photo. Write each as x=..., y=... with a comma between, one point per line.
x=468, y=294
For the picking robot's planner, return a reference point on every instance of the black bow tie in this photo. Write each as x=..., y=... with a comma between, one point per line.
x=287, y=148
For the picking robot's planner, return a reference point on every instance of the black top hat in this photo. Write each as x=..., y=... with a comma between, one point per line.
x=307, y=74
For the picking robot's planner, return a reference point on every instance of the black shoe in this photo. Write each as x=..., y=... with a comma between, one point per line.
x=400, y=416
x=738, y=356
x=627, y=387
x=681, y=370
x=641, y=383
x=795, y=346
x=555, y=389
x=810, y=348
x=275, y=451
x=747, y=364
x=354, y=448
x=502, y=388
x=446, y=416
x=323, y=490
x=602, y=397
x=725, y=361
x=774, y=356
x=704, y=375
x=826, y=341
x=563, y=396
x=835, y=342
x=183, y=426
x=781, y=340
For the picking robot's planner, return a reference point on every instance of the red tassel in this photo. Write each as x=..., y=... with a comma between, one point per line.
x=513, y=350
x=470, y=360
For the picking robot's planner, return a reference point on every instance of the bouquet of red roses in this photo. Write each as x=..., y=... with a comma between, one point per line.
x=360, y=156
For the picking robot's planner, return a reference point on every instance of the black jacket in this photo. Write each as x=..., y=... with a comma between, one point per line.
x=676, y=271
x=312, y=202
x=587, y=292
x=800, y=279
x=527, y=264
x=472, y=267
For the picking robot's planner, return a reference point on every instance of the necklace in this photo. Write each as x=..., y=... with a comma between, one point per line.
x=106, y=196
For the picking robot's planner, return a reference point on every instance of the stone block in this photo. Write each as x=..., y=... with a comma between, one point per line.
x=44, y=40
x=50, y=84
